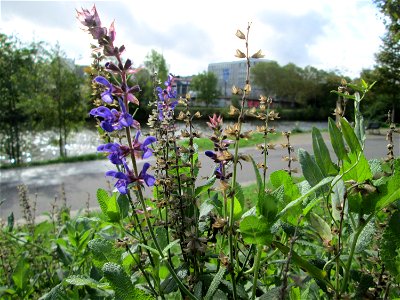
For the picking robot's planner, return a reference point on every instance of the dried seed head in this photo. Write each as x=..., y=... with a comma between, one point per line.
x=240, y=35
x=240, y=54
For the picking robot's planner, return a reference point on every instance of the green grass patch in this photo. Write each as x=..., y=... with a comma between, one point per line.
x=256, y=138
x=71, y=159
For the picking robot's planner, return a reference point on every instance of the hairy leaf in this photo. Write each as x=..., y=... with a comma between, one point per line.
x=350, y=137
x=255, y=230
x=321, y=154
x=337, y=140
x=311, y=171
x=215, y=283
x=357, y=169
x=121, y=283
x=390, y=244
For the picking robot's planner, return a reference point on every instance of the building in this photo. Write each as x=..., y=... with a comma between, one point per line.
x=234, y=73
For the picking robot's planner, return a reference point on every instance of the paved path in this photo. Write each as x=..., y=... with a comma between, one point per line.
x=81, y=180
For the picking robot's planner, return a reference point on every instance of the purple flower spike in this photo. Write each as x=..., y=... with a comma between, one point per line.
x=148, y=179
x=142, y=148
x=106, y=96
x=113, y=119
x=127, y=178
x=116, y=152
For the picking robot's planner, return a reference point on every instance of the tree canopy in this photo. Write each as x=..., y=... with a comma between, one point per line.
x=205, y=85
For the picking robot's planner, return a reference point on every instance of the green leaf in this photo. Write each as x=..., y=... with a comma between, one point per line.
x=347, y=96
x=350, y=137
x=169, y=246
x=392, y=191
x=321, y=154
x=322, y=228
x=108, y=205
x=104, y=251
x=357, y=168
x=82, y=280
x=390, y=243
x=312, y=270
x=366, y=237
x=255, y=230
x=312, y=173
x=204, y=188
x=267, y=206
x=337, y=140
x=123, y=206
x=121, y=284
x=237, y=210
x=215, y=283
x=102, y=199
x=258, y=176
x=20, y=275
x=299, y=200
x=337, y=199
x=282, y=178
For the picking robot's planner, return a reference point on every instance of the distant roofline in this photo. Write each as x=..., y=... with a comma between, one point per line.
x=240, y=61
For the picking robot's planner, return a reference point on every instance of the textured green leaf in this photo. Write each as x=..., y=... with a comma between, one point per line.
x=121, y=284
x=282, y=178
x=337, y=140
x=350, y=137
x=81, y=280
x=366, y=236
x=255, y=230
x=312, y=173
x=321, y=154
x=102, y=199
x=104, y=251
x=56, y=293
x=390, y=243
x=215, y=283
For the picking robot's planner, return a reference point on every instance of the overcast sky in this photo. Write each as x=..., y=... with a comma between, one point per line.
x=340, y=35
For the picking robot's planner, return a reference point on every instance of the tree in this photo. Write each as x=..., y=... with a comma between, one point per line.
x=155, y=63
x=15, y=76
x=39, y=90
x=205, y=84
x=388, y=58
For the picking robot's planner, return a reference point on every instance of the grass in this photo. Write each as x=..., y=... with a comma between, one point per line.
x=68, y=159
x=256, y=138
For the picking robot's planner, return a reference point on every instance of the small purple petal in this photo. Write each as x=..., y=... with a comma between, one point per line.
x=102, y=80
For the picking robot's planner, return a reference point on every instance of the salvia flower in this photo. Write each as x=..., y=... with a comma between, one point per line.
x=142, y=149
x=165, y=105
x=116, y=152
x=127, y=178
x=106, y=96
x=114, y=119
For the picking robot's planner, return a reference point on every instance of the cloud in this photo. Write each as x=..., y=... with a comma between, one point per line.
x=292, y=35
x=43, y=13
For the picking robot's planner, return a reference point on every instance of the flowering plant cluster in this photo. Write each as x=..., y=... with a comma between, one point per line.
x=202, y=239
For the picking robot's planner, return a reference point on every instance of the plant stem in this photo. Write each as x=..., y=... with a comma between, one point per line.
x=256, y=267
x=352, y=249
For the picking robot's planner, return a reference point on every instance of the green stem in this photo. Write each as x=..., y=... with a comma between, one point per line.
x=352, y=249
x=256, y=268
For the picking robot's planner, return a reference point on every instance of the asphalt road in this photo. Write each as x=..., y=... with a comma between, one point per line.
x=81, y=180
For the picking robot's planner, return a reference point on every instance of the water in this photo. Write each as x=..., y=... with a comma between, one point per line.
x=44, y=145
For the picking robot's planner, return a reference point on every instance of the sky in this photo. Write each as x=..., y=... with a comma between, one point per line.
x=339, y=35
